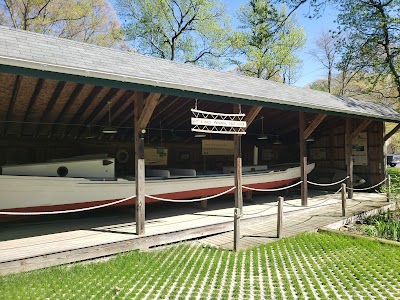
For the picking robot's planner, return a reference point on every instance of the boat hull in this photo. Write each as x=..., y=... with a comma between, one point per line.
x=36, y=194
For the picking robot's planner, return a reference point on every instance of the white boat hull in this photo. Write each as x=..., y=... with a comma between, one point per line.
x=30, y=193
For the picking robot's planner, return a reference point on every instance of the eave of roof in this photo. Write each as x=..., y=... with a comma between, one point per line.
x=38, y=55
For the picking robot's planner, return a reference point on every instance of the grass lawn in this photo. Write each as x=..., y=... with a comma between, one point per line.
x=308, y=266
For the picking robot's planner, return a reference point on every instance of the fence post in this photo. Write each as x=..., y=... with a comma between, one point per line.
x=236, y=227
x=280, y=217
x=344, y=204
x=388, y=187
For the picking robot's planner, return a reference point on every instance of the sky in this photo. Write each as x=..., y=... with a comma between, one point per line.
x=311, y=69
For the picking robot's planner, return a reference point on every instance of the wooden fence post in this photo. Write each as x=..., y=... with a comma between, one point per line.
x=280, y=217
x=388, y=187
x=344, y=204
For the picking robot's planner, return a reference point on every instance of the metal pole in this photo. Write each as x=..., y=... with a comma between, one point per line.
x=388, y=188
x=344, y=203
x=280, y=218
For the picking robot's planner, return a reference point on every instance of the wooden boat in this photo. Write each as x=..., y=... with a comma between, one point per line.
x=30, y=193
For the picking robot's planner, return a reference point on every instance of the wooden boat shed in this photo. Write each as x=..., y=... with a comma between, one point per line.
x=57, y=95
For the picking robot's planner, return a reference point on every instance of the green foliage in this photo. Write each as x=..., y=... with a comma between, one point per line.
x=91, y=21
x=368, y=36
x=268, y=42
x=190, y=31
x=384, y=225
x=394, y=184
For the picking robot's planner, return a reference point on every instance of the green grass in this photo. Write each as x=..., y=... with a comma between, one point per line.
x=308, y=266
x=384, y=225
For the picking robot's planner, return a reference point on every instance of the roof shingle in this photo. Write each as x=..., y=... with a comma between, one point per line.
x=40, y=52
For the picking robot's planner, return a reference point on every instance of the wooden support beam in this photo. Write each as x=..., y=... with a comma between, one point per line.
x=98, y=109
x=391, y=133
x=177, y=114
x=360, y=128
x=82, y=109
x=314, y=124
x=32, y=102
x=252, y=114
x=53, y=99
x=166, y=107
x=349, y=157
x=75, y=93
x=139, y=166
x=238, y=187
x=303, y=160
x=11, y=104
x=126, y=114
x=142, y=115
x=148, y=109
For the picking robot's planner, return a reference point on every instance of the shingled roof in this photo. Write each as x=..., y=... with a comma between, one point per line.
x=55, y=58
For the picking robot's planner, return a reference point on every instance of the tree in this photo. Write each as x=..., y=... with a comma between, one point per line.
x=189, y=31
x=326, y=53
x=319, y=85
x=266, y=43
x=372, y=30
x=91, y=21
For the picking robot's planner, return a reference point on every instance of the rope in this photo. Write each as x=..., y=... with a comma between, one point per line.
x=368, y=188
x=271, y=190
x=316, y=205
x=328, y=184
x=37, y=213
x=261, y=211
x=190, y=200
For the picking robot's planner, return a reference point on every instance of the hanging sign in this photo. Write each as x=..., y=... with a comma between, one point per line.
x=217, y=147
x=211, y=122
x=359, y=149
x=156, y=156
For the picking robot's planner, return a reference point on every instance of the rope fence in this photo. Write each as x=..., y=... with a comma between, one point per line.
x=261, y=211
x=319, y=203
x=271, y=190
x=368, y=188
x=191, y=200
x=199, y=199
x=37, y=213
x=328, y=184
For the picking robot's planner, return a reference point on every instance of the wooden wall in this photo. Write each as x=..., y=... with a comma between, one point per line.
x=187, y=154
x=333, y=141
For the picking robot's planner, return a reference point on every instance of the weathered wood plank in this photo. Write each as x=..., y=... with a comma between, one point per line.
x=139, y=166
x=314, y=124
x=303, y=159
x=391, y=133
x=148, y=109
x=359, y=129
x=252, y=114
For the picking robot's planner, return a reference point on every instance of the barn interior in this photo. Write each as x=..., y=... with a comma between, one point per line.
x=43, y=119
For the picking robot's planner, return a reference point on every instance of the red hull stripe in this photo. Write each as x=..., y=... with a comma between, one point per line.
x=175, y=196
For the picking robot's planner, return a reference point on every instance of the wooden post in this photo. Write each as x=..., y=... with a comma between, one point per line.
x=142, y=114
x=351, y=178
x=344, y=203
x=249, y=197
x=349, y=158
x=384, y=160
x=139, y=166
x=203, y=204
x=303, y=160
x=238, y=191
x=280, y=218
